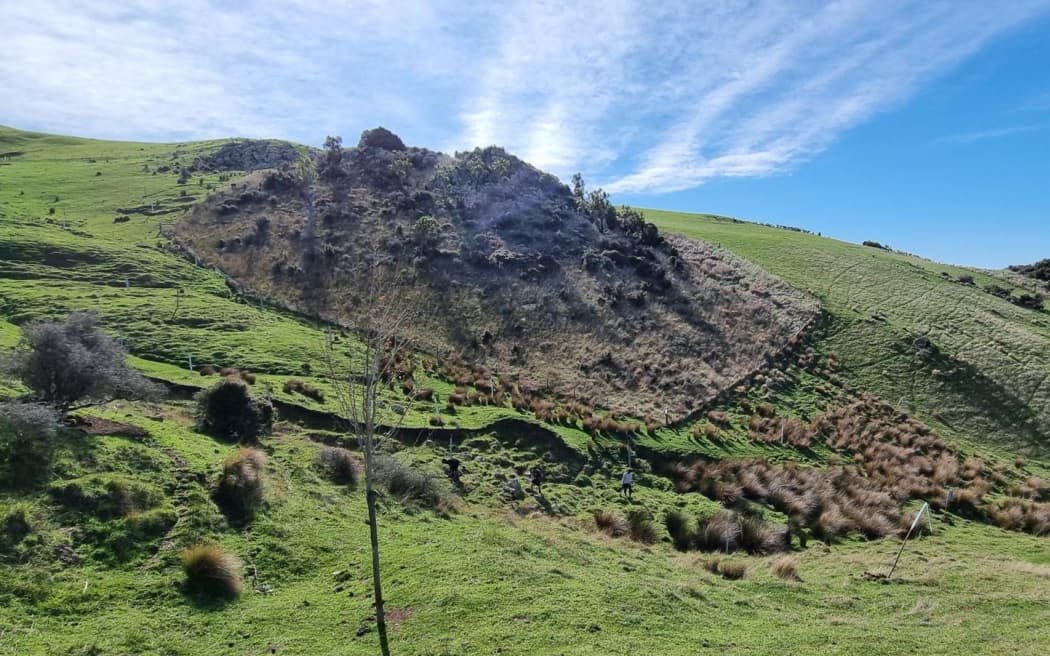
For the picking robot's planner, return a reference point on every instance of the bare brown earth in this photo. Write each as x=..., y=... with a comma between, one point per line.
x=502, y=267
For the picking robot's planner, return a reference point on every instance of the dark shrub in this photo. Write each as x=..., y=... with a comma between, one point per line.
x=339, y=465
x=207, y=370
x=1030, y=301
x=229, y=410
x=27, y=432
x=241, y=490
x=73, y=361
x=212, y=572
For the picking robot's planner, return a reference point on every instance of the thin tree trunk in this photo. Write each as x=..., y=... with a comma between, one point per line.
x=373, y=523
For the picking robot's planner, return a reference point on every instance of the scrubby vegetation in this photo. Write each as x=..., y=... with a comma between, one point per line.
x=74, y=361
x=229, y=409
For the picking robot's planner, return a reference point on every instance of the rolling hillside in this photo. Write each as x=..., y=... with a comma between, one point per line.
x=986, y=377
x=913, y=382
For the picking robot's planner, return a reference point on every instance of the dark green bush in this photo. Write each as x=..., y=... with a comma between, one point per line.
x=27, y=432
x=228, y=409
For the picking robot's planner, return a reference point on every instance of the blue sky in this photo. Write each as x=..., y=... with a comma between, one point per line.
x=923, y=124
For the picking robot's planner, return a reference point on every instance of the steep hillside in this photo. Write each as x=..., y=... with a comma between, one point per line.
x=939, y=340
x=501, y=266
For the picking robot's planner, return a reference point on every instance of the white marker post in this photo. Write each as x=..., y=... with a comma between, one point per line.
x=189, y=359
x=925, y=509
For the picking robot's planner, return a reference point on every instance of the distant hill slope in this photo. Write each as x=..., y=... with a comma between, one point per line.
x=500, y=265
x=938, y=339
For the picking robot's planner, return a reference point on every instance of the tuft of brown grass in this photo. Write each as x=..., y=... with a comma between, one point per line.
x=212, y=572
x=732, y=571
x=241, y=489
x=640, y=526
x=610, y=523
x=339, y=464
x=786, y=568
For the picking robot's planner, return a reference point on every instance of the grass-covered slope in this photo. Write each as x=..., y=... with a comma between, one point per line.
x=983, y=372
x=492, y=577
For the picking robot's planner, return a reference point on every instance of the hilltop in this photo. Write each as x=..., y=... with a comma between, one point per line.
x=503, y=267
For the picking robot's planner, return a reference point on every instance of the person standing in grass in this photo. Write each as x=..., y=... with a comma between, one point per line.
x=453, y=468
x=536, y=475
x=627, y=483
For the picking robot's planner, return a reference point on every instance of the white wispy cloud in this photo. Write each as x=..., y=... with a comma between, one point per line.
x=639, y=95
x=994, y=133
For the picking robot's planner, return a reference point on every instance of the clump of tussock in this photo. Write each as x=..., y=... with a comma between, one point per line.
x=677, y=524
x=241, y=490
x=212, y=572
x=727, y=569
x=732, y=571
x=408, y=484
x=640, y=527
x=295, y=385
x=611, y=523
x=730, y=531
x=786, y=568
x=339, y=465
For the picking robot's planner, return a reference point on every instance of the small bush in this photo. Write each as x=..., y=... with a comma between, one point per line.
x=640, y=527
x=786, y=567
x=339, y=465
x=27, y=442
x=610, y=523
x=212, y=572
x=407, y=484
x=293, y=385
x=241, y=490
x=207, y=370
x=228, y=409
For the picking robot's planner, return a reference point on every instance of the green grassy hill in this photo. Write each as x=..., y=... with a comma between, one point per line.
x=483, y=574
x=987, y=384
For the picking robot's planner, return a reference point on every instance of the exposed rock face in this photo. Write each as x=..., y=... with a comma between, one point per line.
x=502, y=266
x=248, y=155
